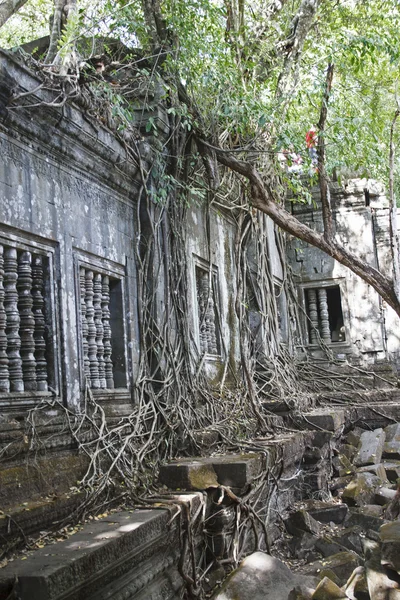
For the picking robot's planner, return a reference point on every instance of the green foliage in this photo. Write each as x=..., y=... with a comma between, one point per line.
x=231, y=69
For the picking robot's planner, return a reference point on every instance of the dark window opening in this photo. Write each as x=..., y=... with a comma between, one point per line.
x=102, y=330
x=209, y=334
x=26, y=329
x=325, y=315
x=367, y=197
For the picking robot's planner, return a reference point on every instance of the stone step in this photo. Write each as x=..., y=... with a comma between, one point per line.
x=325, y=419
x=29, y=518
x=123, y=555
x=232, y=470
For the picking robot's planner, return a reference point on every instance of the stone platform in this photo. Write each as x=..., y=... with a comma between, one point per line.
x=125, y=555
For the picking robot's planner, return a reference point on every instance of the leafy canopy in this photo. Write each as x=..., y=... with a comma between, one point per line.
x=230, y=55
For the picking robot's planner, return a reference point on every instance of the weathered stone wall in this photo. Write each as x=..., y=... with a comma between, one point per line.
x=361, y=222
x=63, y=193
x=219, y=251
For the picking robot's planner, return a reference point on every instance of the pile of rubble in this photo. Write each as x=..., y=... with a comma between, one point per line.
x=345, y=548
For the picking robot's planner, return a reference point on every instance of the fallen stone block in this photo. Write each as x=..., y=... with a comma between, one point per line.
x=371, y=448
x=384, y=496
x=328, y=590
x=348, y=451
x=363, y=518
x=390, y=538
x=232, y=470
x=372, y=510
x=337, y=567
x=356, y=584
x=326, y=512
x=378, y=470
x=326, y=420
x=327, y=546
x=353, y=437
x=303, y=546
x=350, y=539
x=342, y=466
x=301, y=521
x=361, y=489
x=339, y=483
x=392, y=432
x=260, y=577
x=380, y=585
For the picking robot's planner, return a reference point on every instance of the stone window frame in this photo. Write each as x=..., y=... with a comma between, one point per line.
x=201, y=263
x=339, y=282
x=35, y=244
x=115, y=271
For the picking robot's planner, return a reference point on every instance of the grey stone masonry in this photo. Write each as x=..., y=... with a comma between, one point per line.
x=235, y=470
x=371, y=448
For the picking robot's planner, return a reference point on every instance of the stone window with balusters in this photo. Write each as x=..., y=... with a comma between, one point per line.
x=325, y=314
x=207, y=310
x=102, y=329
x=26, y=327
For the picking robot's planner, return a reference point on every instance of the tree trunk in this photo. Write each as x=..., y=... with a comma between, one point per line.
x=63, y=9
x=393, y=231
x=8, y=8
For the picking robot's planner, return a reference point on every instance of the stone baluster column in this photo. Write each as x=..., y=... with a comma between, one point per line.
x=27, y=320
x=105, y=306
x=211, y=329
x=40, y=323
x=313, y=313
x=323, y=310
x=92, y=346
x=84, y=325
x=98, y=321
x=202, y=300
x=4, y=375
x=12, y=320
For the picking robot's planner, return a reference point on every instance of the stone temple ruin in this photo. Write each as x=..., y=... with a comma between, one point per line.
x=319, y=491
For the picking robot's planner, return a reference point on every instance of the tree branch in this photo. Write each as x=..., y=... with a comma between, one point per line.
x=9, y=8
x=62, y=10
x=264, y=198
